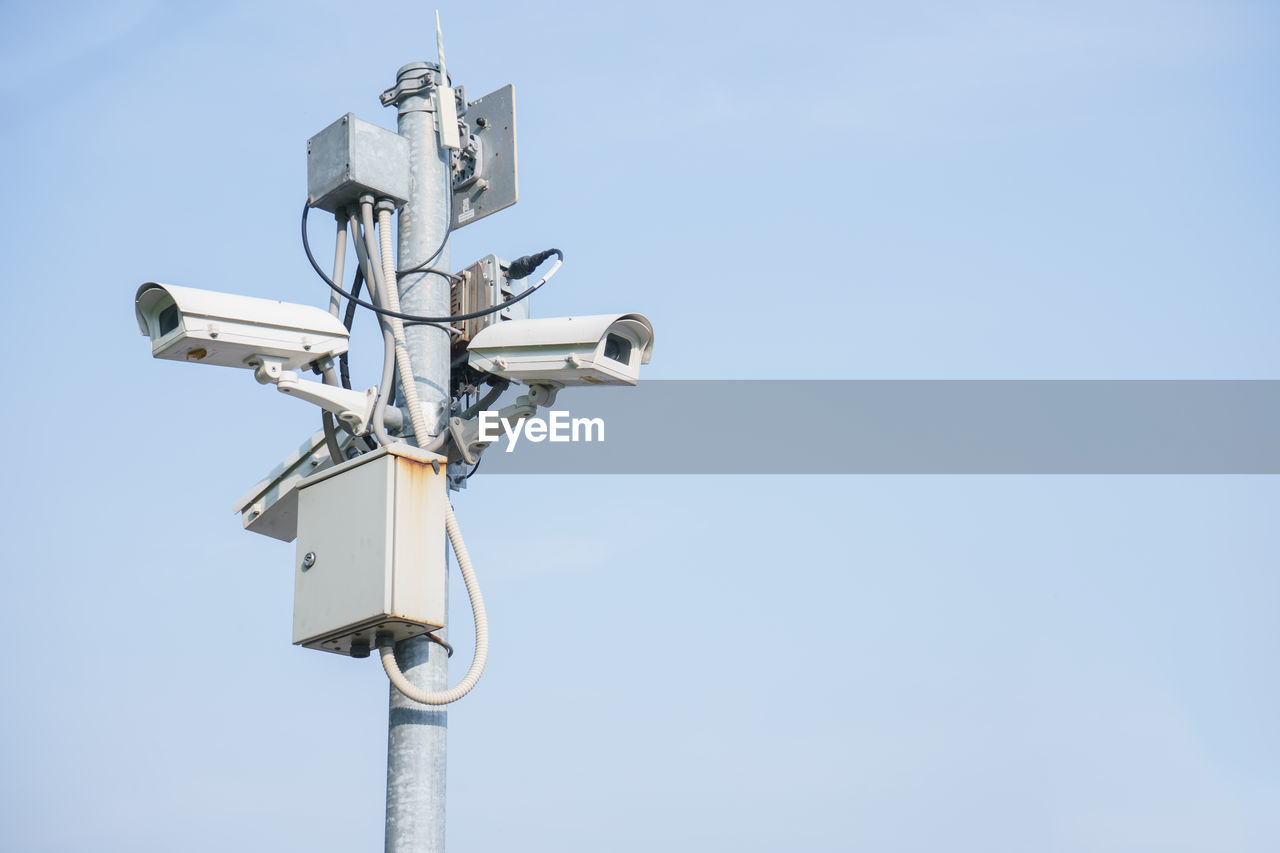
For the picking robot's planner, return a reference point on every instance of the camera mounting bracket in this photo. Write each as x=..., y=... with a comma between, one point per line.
x=353, y=408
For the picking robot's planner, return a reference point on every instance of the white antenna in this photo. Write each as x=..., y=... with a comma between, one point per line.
x=446, y=107
x=444, y=77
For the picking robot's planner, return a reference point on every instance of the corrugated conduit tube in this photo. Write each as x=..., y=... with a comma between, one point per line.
x=387, y=647
x=386, y=643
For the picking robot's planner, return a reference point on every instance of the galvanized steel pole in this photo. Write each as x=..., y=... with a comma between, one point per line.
x=416, y=734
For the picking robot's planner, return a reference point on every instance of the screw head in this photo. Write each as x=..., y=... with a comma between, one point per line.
x=309, y=559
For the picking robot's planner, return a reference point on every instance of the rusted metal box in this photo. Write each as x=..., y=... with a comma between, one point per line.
x=479, y=286
x=371, y=551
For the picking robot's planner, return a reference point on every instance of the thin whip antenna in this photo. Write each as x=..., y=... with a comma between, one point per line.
x=444, y=77
x=446, y=109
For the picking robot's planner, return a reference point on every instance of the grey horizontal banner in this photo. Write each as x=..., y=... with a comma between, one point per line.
x=910, y=427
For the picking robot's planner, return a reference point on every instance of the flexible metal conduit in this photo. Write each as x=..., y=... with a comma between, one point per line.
x=386, y=642
x=407, y=384
x=330, y=376
x=387, y=646
x=377, y=288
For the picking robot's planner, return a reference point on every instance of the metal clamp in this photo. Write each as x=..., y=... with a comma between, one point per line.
x=413, y=80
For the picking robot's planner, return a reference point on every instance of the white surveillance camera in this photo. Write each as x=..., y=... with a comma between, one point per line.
x=272, y=338
x=207, y=327
x=605, y=349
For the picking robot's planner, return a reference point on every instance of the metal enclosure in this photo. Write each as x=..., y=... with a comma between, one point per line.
x=352, y=157
x=271, y=507
x=370, y=554
x=482, y=285
x=484, y=173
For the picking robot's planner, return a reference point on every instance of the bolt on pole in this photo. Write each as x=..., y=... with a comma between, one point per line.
x=416, y=734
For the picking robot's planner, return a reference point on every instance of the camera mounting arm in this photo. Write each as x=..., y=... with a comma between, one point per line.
x=465, y=435
x=354, y=408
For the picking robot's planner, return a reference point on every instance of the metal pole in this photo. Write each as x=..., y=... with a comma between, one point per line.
x=417, y=735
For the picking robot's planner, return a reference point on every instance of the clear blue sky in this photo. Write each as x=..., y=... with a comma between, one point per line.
x=843, y=190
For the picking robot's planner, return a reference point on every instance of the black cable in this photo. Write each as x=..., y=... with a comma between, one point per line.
x=423, y=266
x=474, y=469
x=448, y=179
x=344, y=372
x=524, y=267
x=349, y=317
x=413, y=318
x=353, y=297
x=491, y=396
x=440, y=273
x=520, y=268
x=447, y=648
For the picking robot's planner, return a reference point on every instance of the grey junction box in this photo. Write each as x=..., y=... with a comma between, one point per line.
x=352, y=157
x=370, y=556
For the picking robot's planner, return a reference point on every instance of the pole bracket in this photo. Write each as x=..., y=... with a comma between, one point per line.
x=416, y=78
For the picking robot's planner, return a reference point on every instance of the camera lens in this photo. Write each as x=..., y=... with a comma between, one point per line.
x=168, y=320
x=617, y=348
